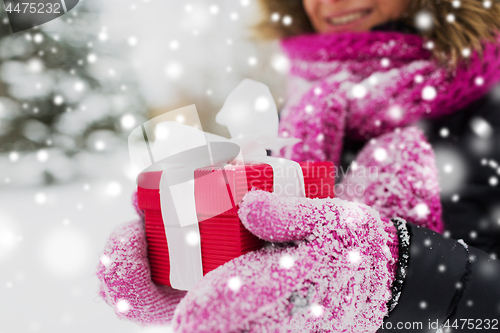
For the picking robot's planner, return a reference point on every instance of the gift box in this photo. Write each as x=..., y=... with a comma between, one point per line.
x=222, y=235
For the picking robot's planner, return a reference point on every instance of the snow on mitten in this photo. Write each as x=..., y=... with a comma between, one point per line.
x=335, y=270
x=126, y=279
x=396, y=175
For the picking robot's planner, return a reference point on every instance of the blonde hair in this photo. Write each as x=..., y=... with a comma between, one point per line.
x=472, y=23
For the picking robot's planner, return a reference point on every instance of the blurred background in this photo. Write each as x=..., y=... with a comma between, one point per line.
x=71, y=91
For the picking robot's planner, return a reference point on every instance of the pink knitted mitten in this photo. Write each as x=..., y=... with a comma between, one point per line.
x=396, y=175
x=335, y=274
x=126, y=279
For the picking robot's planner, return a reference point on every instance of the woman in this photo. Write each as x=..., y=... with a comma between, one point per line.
x=346, y=89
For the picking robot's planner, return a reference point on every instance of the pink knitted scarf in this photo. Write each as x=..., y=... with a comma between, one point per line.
x=362, y=85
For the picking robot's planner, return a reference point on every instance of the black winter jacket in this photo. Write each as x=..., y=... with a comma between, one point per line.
x=442, y=285
x=445, y=285
x=454, y=284
x=471, y=188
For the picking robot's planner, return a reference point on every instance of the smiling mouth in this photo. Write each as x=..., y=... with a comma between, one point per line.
x=348, y=18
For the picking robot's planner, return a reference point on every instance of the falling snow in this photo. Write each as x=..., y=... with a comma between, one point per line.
x=481, y=127
x=424, y=20
x=123, y=306
x=234, y=283
x=422, y=210
x=287, y=261
x=380, y=154
x=429, y=93
x=359, y=91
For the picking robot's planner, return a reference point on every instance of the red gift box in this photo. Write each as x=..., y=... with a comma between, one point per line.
x=222, y=235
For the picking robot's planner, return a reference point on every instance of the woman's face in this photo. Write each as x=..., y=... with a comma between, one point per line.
x=330, y=16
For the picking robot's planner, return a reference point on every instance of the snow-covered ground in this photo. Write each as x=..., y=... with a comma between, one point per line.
x=50, y=242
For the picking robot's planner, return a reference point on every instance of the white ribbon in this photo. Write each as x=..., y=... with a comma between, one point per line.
x=178, y=208
x=251, y=116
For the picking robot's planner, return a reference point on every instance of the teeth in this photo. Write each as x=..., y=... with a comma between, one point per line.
x=347, y=18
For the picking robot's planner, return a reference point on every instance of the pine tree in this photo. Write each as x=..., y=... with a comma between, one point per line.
x=64, y=89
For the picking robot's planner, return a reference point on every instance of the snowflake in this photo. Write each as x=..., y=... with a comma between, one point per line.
x=103, y=36
x=444, y=132
x=79, y=86
x=14, y=156
x=214, y=9
x=429, y=93
x=38, y=38
x=493, y=181
x=280, y=63
x=422, y=210
x=123, y=306
x=174, y=70
x=380, y=154
x=424, y=20
x=396, y=112
x=58, y=100
x=40, y=198
x=262, y=104
x=354, y=256
x=287, y=20
x=42, y=155
x=448, y=168
x=91, y=58
x=316, y=310
x=481, y=127
x=359, y=91
x=100, y=145
x=450, y=18
x=105, y=260
x=287, y=261
x=132, y=41
x=127, y=121
x=234, y=283
x=192, y=238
